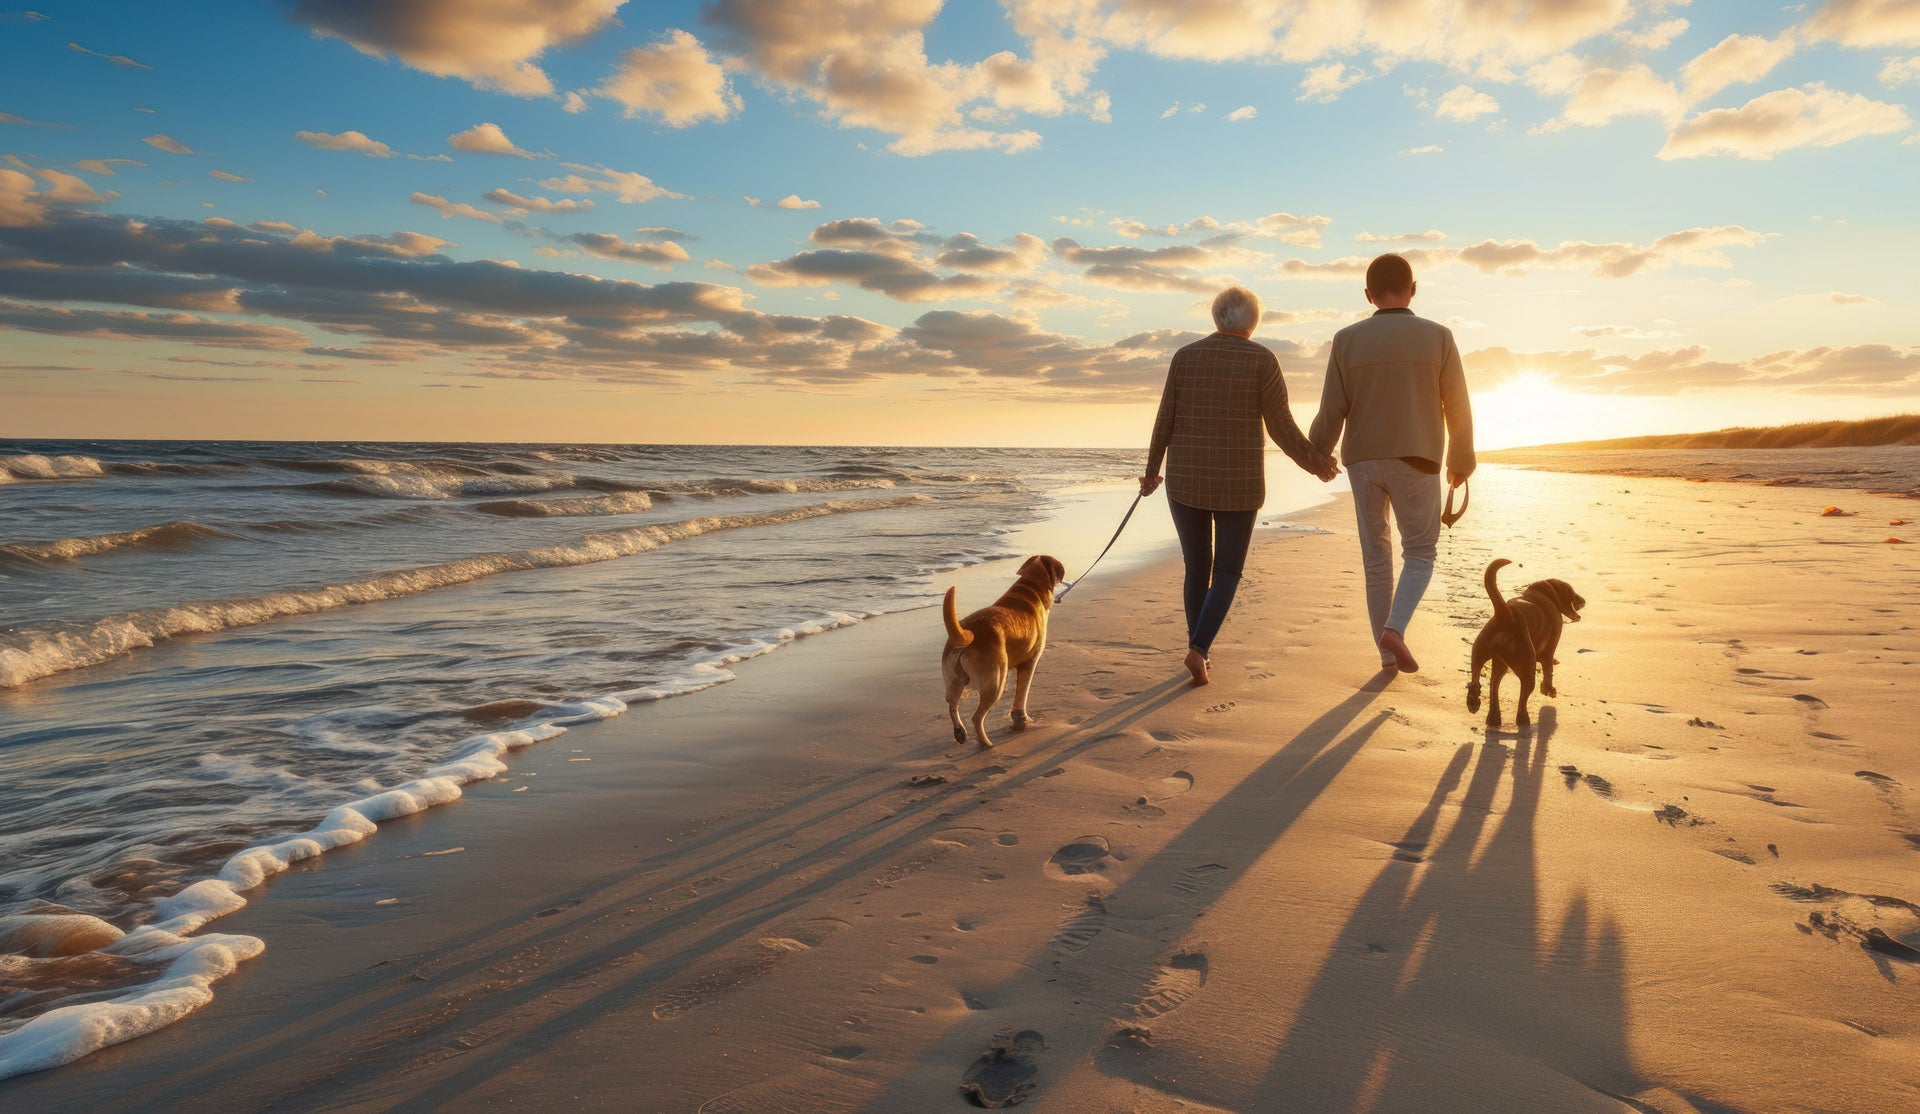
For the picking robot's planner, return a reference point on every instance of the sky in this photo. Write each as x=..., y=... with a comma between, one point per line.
x=908, y=222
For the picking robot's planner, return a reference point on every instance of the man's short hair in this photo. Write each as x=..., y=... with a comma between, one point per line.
x=1389, y=274
x=1236, y=310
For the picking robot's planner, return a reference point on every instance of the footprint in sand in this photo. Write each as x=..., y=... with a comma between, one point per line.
x=1196, y=880
x=712, y=985
x=1227, y=707
x=1004, y=1074
x=1086, y=855
x=1600, y=785
x=1079, y=930
x=1179, y=980
x=1174, y=784
x=1409, y=850
x=1812, y=702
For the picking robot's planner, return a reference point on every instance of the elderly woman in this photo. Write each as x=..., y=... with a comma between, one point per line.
x=1220, y=390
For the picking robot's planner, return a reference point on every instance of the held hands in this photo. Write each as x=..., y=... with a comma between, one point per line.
x=1148, y=485
x=1327, y=468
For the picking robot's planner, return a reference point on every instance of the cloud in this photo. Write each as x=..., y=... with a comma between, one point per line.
x=1302, y=231
x=226, y=176
x=1432, y=235
x=70, y=189
x=1900, y=71
x=1244, y=112
x=1465, y=104
x=795, y=201
x=1695, y=247
x=1862, y=369
x=521, y=205
x=22, y=121
x=358, y=142
x=1324, y=83
x=486, y=139
x=1604, y=95
x=897, y=259
x=105, y=166
x=453, y=208
x=491, y=44
x=1175, y=268
x=864, y=64
x=1656, y=36
x=1867, y=23
x=116, y=59
x=573, y=104
x=664, y=253
x=20, y=203
x=1473, y=35
x=1734, y=60
x=1427, y=149
x=1839, y=298
x=168, y=144
x=1811, y=116
x=627, y=187
x=967, y=252
x=123, y=325
x=674, y=80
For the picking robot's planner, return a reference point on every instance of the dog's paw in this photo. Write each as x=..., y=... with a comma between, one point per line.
x=959, y=734
x=1022, y=721
x=1549, y=690
x=1473, y=702
x=1493, y=719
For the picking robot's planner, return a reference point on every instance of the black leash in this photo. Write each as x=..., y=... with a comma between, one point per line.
x=1116, y=537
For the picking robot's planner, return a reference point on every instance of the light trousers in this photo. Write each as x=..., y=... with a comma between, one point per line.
x=1413, y=497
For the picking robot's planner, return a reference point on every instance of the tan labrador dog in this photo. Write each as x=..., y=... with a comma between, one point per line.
x=1523, y=634
x=1011, y=634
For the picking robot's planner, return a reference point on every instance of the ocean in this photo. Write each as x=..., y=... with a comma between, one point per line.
x=217, y=659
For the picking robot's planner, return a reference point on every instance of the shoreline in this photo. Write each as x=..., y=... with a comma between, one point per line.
x=834, y=936
x=1886, y=470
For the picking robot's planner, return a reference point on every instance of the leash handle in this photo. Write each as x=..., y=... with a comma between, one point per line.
x=1450, y=516
x=1124, y=519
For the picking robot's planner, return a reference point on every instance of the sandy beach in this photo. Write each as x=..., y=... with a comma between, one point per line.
x=1309, y=886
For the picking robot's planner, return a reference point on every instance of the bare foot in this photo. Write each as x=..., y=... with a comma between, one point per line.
x=1197, y=665
x=1392, y=643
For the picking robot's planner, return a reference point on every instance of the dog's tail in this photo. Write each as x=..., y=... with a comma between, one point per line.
x=1500, y=609
x=956, y=637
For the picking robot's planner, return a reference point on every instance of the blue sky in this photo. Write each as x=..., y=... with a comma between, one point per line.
x=1004, y=216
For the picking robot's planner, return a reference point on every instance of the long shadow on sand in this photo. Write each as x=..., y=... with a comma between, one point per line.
x=334, y=1061
x=1253, y=815
x=1478, y=1004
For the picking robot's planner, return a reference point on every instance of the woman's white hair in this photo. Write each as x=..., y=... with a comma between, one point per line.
x=1236, y=310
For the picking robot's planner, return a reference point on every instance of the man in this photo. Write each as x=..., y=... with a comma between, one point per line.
x=1394, y=381
x=1222, y=390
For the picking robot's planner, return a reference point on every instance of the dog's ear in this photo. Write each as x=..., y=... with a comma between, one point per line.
x=1054, y=568
x=1566, y=599
x=1032, y=566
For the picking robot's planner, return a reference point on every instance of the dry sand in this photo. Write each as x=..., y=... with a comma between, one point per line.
x=1308, y=886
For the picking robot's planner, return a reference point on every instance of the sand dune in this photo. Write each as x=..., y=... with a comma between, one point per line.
x=1308, y=886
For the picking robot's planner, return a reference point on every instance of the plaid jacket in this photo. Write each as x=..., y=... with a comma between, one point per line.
x=1220, y=390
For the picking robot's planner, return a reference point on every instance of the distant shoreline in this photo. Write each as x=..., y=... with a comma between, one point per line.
x=1889, y=470
x=1897, y=429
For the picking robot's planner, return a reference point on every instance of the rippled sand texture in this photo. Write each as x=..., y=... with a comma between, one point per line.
x=1306, y=887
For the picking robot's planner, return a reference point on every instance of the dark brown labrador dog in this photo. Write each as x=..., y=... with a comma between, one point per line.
x=1522, y=634
x=1010, y=634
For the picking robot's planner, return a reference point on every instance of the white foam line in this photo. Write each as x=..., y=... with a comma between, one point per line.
x=192, y=964
x=42, y=652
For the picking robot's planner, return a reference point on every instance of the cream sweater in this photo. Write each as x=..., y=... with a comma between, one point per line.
x=1395, y=383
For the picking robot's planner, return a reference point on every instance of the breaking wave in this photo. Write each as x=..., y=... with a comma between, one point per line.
x=36, y=652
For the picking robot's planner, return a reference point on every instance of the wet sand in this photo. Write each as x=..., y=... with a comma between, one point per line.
x=1307, y=886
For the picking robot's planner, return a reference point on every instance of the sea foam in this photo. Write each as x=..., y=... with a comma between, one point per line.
x=42, y=651
x=189, y=964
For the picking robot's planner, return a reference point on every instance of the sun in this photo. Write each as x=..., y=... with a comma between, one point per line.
x=1532, y=409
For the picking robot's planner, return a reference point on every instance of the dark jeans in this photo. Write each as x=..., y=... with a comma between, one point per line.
x=1214, y=544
